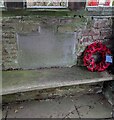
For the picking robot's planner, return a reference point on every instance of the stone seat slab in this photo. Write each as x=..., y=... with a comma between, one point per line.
x=27, y=80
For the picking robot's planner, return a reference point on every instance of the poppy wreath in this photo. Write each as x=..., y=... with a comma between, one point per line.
x=95, y=57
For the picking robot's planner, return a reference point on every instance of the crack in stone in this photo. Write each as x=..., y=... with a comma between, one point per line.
x=77, y=111
x=68, y=114
x=6, y=115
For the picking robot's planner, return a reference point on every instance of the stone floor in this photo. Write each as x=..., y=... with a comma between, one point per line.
x=76, y=106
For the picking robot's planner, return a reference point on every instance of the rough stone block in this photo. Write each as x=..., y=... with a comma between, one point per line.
x=26, y=27
x=65, y=28
x=65, y=21
x=96, y=37
x=101, y=23
x=90, y=32
x=8, y=35
x=86, y=40
x=80, y=49
x=106, y=33
x=95, y=31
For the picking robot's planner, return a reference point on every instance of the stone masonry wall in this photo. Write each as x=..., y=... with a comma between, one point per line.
x=98, y=29
x=27, y=24
x=89, y=30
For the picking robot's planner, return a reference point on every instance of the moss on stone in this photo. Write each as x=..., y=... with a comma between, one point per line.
x=37, y=12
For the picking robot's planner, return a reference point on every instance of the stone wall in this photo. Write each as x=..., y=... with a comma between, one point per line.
x=88, y=29
x=27, y=24
x=98, y=29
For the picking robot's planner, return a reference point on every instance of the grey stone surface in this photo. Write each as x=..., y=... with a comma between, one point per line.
x=0, y=114
x=81, y=106
x=90, y=104
x=20, y=81
x=60, y=45
x=46, y=48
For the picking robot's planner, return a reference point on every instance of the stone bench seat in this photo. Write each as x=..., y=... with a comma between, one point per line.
x=28, y=80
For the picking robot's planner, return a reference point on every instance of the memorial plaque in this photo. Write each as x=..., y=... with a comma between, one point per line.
x=46, y=48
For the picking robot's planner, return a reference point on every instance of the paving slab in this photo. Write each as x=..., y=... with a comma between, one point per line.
x=92, y=106
x=28, y=80
x=83, y=106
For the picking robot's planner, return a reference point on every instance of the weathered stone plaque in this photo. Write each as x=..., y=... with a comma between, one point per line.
x=46, y=48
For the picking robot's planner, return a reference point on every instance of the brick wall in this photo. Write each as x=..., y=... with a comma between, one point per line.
x=27, y=24
x=98, y=29
x=89, y=30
